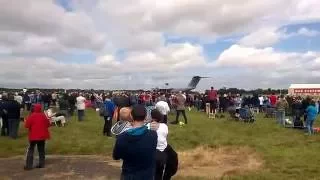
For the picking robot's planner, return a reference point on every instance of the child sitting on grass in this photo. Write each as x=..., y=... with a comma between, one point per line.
x=38, y=125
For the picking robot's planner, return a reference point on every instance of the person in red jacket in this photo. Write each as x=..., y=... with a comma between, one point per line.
x=38, y=125
x=273, y=100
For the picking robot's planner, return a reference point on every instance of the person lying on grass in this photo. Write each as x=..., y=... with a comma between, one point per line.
x=38, y=125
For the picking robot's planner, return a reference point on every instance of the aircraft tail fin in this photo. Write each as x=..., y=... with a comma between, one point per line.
x=194, y=82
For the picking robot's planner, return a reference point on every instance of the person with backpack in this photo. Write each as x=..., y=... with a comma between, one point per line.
x=107, y=110
x=38, y=125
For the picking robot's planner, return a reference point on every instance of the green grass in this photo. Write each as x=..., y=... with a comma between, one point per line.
x=287, y=153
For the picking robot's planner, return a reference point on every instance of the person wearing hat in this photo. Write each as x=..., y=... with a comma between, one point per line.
x=137, y=148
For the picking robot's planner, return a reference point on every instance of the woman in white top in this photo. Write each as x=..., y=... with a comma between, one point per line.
x=81, y=106
x=162, y=132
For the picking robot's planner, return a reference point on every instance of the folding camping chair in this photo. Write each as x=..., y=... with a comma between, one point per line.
x=55, y=119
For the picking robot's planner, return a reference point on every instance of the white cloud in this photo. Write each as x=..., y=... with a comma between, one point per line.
x=265, y=58
x=105, y=72
x=171, y=58
x=308, y=32
x=264, y=37
x=43, y=23
x=253, y=66
x=40, y=29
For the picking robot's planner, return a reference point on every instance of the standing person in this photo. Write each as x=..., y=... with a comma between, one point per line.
x=64, y=106
x=273, y=100
x=38, y=125
x=27, y=101
x=72, y=103
x=311, y=116
x=121, y=101
x=137, y=148
x=81, y=106
x=162, y=132
x=4, y=116
x=164, y=109
x=12, y=110
x=109, y=108
x=261, y=103
x=281, y=107
x=305, y=103
x=197, y=101
x=180, y=102
x=18, y=98
x=212, y=97
x=54, y=98
x=46, y=98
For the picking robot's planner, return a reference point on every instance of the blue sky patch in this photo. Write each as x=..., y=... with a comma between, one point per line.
x=66, y=4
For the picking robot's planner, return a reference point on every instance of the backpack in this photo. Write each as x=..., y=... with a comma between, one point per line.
x=102, y=110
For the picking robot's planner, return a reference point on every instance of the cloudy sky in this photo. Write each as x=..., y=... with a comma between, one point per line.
x=112, y=44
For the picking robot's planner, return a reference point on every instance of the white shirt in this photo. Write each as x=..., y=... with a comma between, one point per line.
x=163, y=107
x=162, y=137
x=81, y=105
x=261, y=100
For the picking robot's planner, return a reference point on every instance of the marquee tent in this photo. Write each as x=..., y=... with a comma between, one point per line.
x=304, y=89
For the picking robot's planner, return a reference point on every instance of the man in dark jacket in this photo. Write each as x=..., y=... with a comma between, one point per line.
x=137, y=148
x=4, y=116
x=64, y=106
x=72, y=103
x=12, y=109
x=27, y=101
x=46, y=98
x=108, y=112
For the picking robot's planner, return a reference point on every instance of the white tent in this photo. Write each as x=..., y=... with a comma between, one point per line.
x=304, y=89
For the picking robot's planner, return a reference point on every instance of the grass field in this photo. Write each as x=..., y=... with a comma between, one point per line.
x=283, y=153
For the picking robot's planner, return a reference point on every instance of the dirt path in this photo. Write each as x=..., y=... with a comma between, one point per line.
x=203, y=161
x=62, y=168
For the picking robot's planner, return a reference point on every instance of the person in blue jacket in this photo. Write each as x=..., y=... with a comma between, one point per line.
x=137, y=148
x=311, y=116
x=109, y=108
